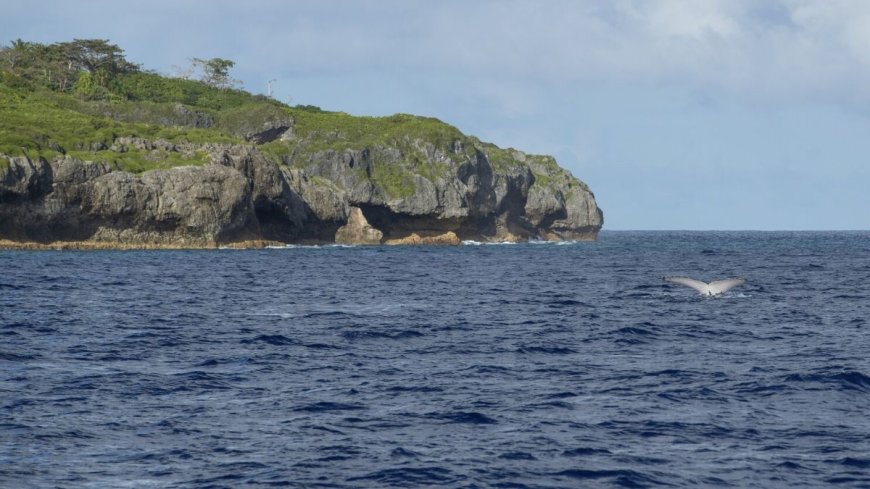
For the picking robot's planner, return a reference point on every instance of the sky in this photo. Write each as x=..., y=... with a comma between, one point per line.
x=692, y=114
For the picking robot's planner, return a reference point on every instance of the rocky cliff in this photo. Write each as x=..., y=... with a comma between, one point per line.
x=416, y=191
x=132, y=158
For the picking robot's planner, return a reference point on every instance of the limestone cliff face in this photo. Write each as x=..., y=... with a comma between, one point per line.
x=415, y=192
x=427, y=190
x=70, y=200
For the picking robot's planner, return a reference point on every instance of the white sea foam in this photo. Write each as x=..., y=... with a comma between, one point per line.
x=470, y=242
x=467, y=242
x=372, y=309
x=308, y=247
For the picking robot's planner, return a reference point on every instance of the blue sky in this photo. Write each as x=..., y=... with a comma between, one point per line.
x=718, y=114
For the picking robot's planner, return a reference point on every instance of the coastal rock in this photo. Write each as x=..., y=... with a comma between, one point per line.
x=24, y=179
x=270, y=131
x=184, y=116
x=411, y=192
x=449, y=238
x=72, y=200
x=358, y=230
x=71, y=179
x=141, y=159
x=582, y=221
x=201, y=205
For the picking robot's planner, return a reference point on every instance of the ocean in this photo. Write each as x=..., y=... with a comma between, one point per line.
x=506, y=366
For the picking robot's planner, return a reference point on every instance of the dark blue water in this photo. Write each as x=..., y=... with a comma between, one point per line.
x=476, y=366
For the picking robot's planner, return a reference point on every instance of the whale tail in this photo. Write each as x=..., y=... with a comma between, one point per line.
x=710, y=289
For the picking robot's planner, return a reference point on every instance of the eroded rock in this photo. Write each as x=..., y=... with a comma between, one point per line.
x=358, y=230
x=412, y=193
x=449, y=238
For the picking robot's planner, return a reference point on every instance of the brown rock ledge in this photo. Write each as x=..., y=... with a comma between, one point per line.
x=6, y=244
x=449, y=238
x=358, y=230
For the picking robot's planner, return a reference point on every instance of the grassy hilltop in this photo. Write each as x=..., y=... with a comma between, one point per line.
x=77, y=97
x=103, y=137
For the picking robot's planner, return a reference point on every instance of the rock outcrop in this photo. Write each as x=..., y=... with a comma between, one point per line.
x=71, y=200
x=448, y=238
x=413, y=192
x=358, y=230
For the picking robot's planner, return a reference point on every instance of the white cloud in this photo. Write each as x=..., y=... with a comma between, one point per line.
x=637, y=95
x=760, y=48
x=810, y=49
x=694, y=20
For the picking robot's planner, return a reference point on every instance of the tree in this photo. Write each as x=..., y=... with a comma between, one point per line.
x=39, y=64
x=216, y=72
x=15, y=53
x=98, y=57
x=58, y=66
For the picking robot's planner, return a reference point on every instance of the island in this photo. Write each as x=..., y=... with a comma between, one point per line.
x=96, y=152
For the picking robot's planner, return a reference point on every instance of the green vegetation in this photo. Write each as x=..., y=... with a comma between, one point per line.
x=87, y=67
x=32, y=124
x=322, y=182
x=320, y=131
x=78, y=97
x=152, y=87
x=216, y=72
x=38, y=124
x=249, y=118
x=396, y=182
x=139, y=161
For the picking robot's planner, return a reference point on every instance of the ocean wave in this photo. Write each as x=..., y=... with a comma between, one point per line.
x=409, y=477
x=547, y=350
x=530, y=367
x=290, y=246
x=376, y=335
x=323, y=406
x=849, y=380
x=620, y=477
x=463, y=417
x=274, y=339
x=470, y=242
x=368, y=309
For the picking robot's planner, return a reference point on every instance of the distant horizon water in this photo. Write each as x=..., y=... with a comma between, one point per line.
x=525, y=366
x=606, y=229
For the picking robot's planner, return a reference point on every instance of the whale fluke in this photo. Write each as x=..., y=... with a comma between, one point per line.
x=709, y=289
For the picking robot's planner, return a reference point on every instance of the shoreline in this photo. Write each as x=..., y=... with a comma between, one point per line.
x=11, y=245
x=6, y=244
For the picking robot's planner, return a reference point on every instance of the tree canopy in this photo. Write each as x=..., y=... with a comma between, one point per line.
x=94, y=55
x=97, y=69
x=216, y=72
x=60, y=66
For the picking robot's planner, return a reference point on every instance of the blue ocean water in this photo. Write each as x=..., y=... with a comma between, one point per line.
x=512, y=366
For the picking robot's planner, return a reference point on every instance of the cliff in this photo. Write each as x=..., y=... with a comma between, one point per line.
x=327, y=196
x=178, y=164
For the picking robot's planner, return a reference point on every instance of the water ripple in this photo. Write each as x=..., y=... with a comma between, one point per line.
x=523, y=366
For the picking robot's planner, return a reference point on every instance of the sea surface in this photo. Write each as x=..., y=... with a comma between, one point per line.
x=504, y=366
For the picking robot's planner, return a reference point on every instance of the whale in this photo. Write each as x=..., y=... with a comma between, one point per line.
x=709, y=289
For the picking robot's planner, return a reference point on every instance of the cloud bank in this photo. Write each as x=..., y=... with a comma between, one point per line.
x=642, y=98
x=759, y=48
